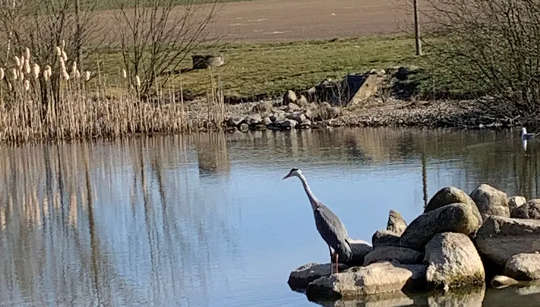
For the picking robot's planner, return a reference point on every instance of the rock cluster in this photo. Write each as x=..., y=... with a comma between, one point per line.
x=293, y=112
x=451, y=245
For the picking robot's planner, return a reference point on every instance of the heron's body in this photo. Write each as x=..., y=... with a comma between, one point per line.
x=328, y=224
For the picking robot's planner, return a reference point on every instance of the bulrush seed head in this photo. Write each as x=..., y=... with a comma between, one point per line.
x=77, y=74
x=26, y=85
x=87, y=75
x=17, y=61
x=14, y=74
x=27, y=53
x=137, y=81
x=2, y=74
x=64, y=56
x=58, y=51
x=36, y=70
x=27, y=69
x=124, y=74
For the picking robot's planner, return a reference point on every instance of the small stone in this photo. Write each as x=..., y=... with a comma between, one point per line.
x=243, y=127
x=292, y=107
x=289, y=97
x=501, y=281
x=234, y=121
x=287, y=124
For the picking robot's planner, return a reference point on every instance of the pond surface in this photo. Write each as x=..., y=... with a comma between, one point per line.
x=207, y=221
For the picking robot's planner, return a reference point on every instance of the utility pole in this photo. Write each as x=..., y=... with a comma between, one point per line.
x=417, y=29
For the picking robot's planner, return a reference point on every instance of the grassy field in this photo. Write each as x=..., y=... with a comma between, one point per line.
x=269, y=69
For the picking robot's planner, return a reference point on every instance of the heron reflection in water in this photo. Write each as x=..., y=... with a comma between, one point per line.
x=328, y=224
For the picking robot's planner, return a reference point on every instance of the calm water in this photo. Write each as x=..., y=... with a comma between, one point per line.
x=207, y=221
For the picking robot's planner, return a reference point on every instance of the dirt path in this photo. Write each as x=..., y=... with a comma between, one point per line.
x=273, y=20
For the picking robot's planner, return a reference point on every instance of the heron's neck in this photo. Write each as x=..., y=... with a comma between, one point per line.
x=312, y=199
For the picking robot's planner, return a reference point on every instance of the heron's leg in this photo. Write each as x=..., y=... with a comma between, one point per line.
x=331, y=260
x=337, y=263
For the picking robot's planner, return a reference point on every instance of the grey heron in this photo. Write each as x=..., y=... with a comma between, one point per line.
x=328, y=224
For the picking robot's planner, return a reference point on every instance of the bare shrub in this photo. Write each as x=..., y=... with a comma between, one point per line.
x=491, y=47
x=156, y=36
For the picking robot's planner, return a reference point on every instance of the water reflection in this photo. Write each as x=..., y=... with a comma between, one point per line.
x=197, y=220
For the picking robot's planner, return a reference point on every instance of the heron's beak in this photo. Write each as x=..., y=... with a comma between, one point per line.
x=287, y=176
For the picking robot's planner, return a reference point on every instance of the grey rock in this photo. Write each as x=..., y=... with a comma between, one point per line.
x=302, y=276
x=278, y=116
x=305, y=124
x=254, y=119
x=302, y=101
x=297, y=116
x=452, y=195
x=235, y=121
x=453, y=261
x=396, y=223
x=516, y=202
x=374, y=279
x=289, y=97
x=500, y=238
x=359, y=250
x=491, y=201
x=292, y=107
x=385, y=238
x=401, y=255
x=287, y=124
x=523, y=266
x=267, y=121
x=243, y=127
x=458, y=218
x=529, y=210
x=262, y=107
x=501, y=281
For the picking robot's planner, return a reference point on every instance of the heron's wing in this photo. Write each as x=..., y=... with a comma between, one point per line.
x=330, y=227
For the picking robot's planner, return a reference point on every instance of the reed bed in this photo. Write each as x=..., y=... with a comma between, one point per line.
x=56, y=101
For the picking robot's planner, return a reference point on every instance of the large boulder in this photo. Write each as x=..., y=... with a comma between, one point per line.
x=523, y=266
x=359, y=250
x=385, y=238
x=376, y=278
x=491, y=201
x=529, y=210
x=401, y=255
x=514, y=203
x=453, y=261
x=452, y=195
x=396, y=223
x=457, y=217
x=500, y=238
x=302, y=276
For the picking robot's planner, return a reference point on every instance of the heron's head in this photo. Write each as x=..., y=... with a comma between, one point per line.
x=523, y=131
x=293, y=172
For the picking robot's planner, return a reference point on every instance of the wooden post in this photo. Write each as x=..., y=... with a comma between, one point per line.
x=417, y=29
x=78, y=35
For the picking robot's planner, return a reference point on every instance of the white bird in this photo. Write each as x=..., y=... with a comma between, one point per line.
x=525, y=135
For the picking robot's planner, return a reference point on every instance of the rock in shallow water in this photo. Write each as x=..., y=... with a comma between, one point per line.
x=523, y=267
x=377, y=278
x=501, y=281
x=359, y=250
x=500, y=238
x=491, y=201
x=302, y=276
x=457, y=217
x=453, y=261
